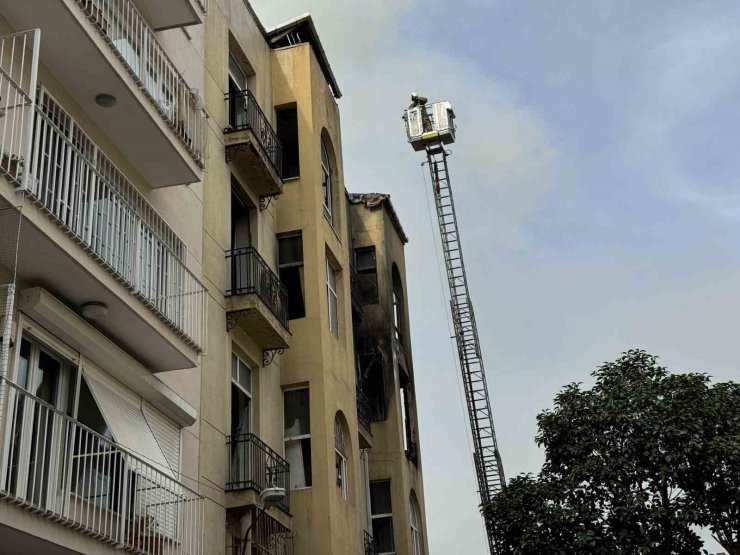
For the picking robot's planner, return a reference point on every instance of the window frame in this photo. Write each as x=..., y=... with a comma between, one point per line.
x=341, y=459
x=235, y=382
x=397, y=317
x=308, y=483
x=332, y=293
x=285, y=267
x=414, y=520
x=326, y=184
x=367, y=271
x=378, y=516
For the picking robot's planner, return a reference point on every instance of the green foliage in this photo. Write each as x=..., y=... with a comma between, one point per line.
x=630, y=466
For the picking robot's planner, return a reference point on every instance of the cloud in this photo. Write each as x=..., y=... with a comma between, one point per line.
x=683, y=130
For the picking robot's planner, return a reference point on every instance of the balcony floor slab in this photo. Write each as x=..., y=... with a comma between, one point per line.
x=51, y=259
x=243, y=149
x=257, y=320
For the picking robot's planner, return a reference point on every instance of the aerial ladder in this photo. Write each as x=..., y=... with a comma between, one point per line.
x=430, y=127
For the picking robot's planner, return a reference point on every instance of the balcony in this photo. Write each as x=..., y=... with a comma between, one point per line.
x=96, y=47
x=168, y=14
x=252, y=144
x=268, y=537
x=106, y=221
x=355, y=289
x=57, y=468
x=253, y=465
x=371, y=546
x=257, y=300
x=364, y=410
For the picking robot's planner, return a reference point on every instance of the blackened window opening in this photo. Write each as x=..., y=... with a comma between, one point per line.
x=290, y=263
x=287, y=132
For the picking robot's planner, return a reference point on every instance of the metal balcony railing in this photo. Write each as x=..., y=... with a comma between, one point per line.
x=136, y=45
x=268, y=537
x=250, y=274
x=364, y=409
x=56, y=467
x=77, y=185
x=355, y=287
x=371, y=546
x=253, y=465
x=245, y=113
x=19, y=56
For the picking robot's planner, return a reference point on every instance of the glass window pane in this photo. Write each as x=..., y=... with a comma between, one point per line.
x=297, y=413
x=365, y=259
x=240, y=412
x=245, y=376
x=49, y=369
x=380, y=497
x=383, y=534
x=290, y=250
x=234, y=368
x=331, y=274
x=237, y=74
x=22, y=372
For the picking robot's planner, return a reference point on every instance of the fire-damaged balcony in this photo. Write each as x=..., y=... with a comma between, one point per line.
x=253, y=144
x=257, y=301
x=108, y=58
x=254, y=466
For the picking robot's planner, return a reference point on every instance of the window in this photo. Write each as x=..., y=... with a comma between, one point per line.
x=290, y=262
x=415, y=528
x=397, y=306
x=287, y=132
x=242, y=278
x=297, y=422
x=409, y=444
x=397, y=316
x=381, y=514
x=366, y=266
x=241, y=397
x=326, y=183
x=94, y=466
x=237, y=98
x=331, y=293
x=241, y=216
x=340, y=458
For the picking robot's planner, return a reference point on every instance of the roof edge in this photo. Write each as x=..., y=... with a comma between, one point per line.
x=315, y=41
x=373, y=200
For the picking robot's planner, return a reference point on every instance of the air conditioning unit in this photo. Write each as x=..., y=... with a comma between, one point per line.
x=430, y=124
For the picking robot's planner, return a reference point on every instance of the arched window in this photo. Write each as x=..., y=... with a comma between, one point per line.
x=415, y=526
x=398, y=308
x=340, y=454
x=326, y=183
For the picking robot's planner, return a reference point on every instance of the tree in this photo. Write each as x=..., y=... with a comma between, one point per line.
x=630, y=466
x=712, y=481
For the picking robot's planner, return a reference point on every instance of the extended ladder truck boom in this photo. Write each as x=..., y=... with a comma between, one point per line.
x=429, y=128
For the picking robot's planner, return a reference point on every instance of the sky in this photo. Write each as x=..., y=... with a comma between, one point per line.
x=596, y=182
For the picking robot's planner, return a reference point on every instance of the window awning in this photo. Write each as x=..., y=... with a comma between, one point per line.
x=124, y=416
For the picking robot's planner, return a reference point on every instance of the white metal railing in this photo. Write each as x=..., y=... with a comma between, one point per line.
x=88, y=196
x=135, y=43
x=57, y=467
x=19, y=55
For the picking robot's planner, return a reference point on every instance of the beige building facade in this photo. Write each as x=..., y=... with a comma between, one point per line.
x=205, y=343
